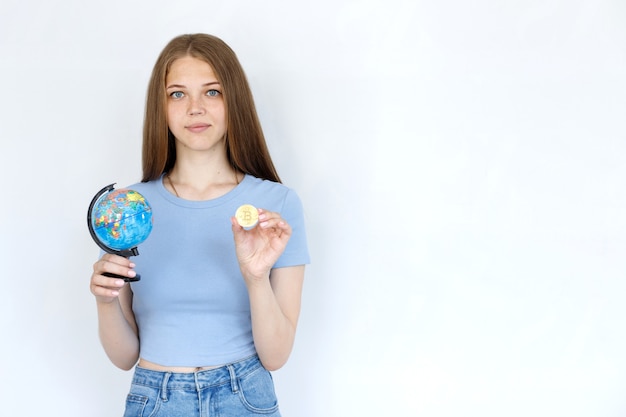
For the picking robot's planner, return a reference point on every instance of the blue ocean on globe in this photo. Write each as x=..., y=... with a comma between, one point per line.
x=122, y=219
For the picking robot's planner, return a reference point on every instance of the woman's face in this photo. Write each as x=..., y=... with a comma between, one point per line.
x=196, y=113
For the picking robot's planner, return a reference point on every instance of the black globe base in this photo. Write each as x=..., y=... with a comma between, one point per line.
x=126, y=279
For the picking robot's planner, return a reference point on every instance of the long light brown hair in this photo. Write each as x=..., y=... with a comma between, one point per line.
x=246, y=148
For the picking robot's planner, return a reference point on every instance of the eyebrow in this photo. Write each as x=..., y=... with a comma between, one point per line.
x=182, y=86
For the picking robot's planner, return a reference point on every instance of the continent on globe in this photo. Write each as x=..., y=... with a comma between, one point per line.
x=119, y=219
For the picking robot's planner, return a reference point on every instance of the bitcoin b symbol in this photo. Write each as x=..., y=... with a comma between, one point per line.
x=247, y=216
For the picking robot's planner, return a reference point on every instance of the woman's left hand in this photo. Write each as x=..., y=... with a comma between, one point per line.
x=258, y=249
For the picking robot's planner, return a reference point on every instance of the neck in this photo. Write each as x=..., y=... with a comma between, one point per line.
x=203, y=183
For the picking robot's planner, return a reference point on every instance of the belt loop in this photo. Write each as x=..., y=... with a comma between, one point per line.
x=233, y=379
x=166, y=378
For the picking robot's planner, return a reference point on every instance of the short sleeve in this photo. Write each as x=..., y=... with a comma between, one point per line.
x=296, y=252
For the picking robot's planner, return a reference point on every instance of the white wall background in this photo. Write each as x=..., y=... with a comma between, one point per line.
x=462, y=168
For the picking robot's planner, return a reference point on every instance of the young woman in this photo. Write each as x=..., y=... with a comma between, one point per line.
x=218, y=305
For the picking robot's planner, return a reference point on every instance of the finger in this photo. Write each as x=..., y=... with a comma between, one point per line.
x=113, y=267
x=284, y=231
x=276, y=223
x=269, y=219
x=267, y=215
x=102, y=286
x=236, y=227
x=117, y=259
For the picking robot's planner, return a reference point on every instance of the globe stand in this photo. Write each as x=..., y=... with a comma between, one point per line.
x=126, y=253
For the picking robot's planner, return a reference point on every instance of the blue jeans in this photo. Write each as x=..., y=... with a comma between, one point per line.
x=242, y=388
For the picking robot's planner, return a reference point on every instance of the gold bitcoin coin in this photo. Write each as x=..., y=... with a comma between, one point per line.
x=247, y=216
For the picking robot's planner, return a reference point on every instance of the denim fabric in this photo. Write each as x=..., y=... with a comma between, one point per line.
x=239, y=389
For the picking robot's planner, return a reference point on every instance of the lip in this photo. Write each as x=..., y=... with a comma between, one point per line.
x=197, y=127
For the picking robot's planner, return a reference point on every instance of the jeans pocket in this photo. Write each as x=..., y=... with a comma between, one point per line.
x=142, y=402
x=135, y=405
x=256, y=391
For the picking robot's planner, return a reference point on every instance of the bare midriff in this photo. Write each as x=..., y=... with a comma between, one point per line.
x=178, y=369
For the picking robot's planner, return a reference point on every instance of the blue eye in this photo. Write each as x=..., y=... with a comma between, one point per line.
x=213, y=93
x=177, y=94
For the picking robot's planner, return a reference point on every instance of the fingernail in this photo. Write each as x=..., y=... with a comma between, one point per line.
x=131, y=273
x=115, y=293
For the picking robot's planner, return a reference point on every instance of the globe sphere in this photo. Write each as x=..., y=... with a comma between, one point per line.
x=121, y=219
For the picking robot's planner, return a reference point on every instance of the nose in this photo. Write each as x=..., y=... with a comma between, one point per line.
x=195, y=107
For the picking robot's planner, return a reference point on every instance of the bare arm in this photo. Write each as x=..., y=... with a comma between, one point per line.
x=275, y=308
x=275, y=294
x=116, y=321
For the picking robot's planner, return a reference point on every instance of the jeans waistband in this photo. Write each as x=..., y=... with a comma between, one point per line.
x=197, y=380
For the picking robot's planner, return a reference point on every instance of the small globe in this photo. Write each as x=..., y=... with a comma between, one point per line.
x=121, y=219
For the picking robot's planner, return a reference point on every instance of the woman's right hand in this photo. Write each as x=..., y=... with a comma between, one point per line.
x=107, y=289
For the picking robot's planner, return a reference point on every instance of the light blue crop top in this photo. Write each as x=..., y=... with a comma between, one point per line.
x=191, y=304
